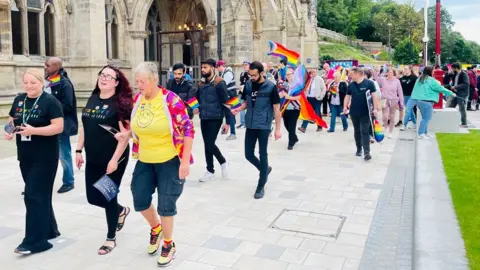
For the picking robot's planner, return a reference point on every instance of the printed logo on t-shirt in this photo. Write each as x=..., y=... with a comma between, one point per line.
x=144, y=116
x=96, y=113
x=33, y=112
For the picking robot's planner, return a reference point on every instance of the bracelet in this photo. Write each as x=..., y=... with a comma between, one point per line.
x=78, y=151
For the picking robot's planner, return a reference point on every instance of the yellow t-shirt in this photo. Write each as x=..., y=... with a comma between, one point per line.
x=152, y=127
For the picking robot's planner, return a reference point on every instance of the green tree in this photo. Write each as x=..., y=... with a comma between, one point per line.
x=404, y=21
x=406, y=53
x=332, y=15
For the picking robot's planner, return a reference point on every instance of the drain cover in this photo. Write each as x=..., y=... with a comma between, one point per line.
x=307, y=222
x=405, y=139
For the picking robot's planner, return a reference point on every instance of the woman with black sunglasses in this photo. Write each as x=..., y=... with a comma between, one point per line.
x=107, y=111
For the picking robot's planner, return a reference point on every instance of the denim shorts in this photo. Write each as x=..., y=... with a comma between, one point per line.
x=162, y=176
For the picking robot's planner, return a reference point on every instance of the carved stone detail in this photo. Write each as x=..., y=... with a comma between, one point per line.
x=139, y=34
x=257, y=35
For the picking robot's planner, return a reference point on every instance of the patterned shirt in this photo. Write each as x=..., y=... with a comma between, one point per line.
x=181, y=124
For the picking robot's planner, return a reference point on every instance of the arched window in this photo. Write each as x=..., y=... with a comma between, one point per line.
x=111, y=27
x=153, y=26
x=34, y=7
x=17, y=29
x=48, y=21
x=33, y=28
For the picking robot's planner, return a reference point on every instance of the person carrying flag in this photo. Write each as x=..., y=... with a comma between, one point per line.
x=262, y=101
x=182, y=86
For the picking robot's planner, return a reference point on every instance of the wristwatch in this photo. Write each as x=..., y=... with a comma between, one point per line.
x=78, y=151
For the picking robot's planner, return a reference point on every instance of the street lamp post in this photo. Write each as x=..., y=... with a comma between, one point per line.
x=219, y=29
x=389, y=43
x=425, y=37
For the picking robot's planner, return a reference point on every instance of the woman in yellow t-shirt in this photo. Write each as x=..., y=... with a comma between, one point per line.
x=163, y=137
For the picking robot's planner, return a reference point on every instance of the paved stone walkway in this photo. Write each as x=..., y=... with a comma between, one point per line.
x=330, y=196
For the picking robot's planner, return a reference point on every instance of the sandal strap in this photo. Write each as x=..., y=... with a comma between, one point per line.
x=111, y=239
x=125, y=212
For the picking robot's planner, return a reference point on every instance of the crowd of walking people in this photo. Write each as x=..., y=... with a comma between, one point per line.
x=158, y=121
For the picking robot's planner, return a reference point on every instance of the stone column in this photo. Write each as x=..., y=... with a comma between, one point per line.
x=41, y=23
x=5, y=35
x=137, y=39
x=89, y=39
x=23, y=11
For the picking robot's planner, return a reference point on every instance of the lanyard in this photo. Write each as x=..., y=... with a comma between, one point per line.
x=25, y=119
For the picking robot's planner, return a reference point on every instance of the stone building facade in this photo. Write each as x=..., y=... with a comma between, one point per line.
x=87, y=34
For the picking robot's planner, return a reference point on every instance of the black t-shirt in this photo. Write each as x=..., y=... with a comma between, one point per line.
x=100, y=144
x=359, y=106
x=39, y=148
x=408, y=82
x=274, y=97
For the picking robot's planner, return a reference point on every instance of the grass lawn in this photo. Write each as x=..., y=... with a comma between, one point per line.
x=460, y=155
x=343, y=52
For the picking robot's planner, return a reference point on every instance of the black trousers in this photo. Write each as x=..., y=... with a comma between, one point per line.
x=290, y=118
x=251, y=138
x=325, y=105
x=210, y=129
x=361, y=128
x=95, y=171
x=40, y=223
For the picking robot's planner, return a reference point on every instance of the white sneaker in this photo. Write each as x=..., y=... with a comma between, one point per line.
x=390, y=135
x=414, y=126
x=402, y=128
x=423, y=137
x=224, y=170
x=207, y=177
x=231, y=137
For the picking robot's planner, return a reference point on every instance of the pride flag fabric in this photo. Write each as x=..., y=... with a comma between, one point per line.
x=301, y=82
x=193, y=103
x=234, y=103
x=378, y=131
x=277, y=49
x=54, y=80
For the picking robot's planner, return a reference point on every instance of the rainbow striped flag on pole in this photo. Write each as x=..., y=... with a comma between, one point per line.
x=277, y=49
x=193, y=103
x=233, y=103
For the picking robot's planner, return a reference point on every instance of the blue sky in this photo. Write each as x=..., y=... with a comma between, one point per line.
x=465, y=14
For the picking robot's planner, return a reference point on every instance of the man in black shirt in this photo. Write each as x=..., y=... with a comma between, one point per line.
x=60, y=86
x=356, y=101
x=407, y=81
x=260, y=98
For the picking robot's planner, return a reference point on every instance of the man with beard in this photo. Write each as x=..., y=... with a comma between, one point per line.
x=181, y=86
x=260, y=98
x=212, y=95
x=460, y=87
x=59, y=85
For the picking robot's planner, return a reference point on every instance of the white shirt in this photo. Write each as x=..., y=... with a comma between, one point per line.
x=312, y=92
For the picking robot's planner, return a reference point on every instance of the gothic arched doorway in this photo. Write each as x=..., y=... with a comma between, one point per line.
x=176, y=36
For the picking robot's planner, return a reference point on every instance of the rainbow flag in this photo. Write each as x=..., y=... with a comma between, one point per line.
x=233, y=103
x=54, y=80
x=308, y=113
x=301, y=82
x=378, y=131
x=193, y=103
x=277, y=49
x=376, y=54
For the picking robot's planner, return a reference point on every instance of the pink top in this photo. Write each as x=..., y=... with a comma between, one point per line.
x=391, y=89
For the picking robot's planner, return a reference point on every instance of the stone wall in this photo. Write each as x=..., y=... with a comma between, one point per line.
x=80, y=36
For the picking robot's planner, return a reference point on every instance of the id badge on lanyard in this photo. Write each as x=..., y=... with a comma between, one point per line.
x=25, y=118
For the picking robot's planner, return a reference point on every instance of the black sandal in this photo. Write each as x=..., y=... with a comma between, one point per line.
x=126, y=211
x=107, y=249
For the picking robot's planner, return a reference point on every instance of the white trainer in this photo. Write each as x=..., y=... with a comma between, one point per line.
x=207, y=177
x=224, y=170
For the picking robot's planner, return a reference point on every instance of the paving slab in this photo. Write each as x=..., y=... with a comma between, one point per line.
x=219, y=225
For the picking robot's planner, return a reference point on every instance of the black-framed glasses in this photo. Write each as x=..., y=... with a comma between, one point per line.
x=106, y=77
